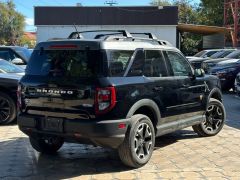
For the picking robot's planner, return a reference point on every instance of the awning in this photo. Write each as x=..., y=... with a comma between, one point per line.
x=202, y=29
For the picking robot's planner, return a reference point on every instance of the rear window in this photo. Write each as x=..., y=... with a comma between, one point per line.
x=67, y=63
x=7, y=67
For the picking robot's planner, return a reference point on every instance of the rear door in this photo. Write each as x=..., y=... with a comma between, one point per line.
x=164, y=87
x=191, y=89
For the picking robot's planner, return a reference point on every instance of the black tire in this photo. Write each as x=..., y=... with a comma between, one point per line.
x=131, y=155
x=215, y=119
x=8, y=109
x=46, y=145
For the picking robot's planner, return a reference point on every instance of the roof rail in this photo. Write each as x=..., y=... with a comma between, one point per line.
x=126, y=36
x=154, y=37
x=123, y=32
x=150, y=35
x=98, y=36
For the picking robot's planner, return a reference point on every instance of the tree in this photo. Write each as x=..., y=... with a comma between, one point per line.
x=211, y=12
x=187, y=14
x=11, y=24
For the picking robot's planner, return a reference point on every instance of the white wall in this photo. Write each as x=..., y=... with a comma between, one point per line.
x=162, y=32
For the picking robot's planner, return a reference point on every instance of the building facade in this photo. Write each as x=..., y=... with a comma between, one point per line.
x=59, y=22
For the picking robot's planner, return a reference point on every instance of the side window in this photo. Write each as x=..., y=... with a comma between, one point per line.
x=154, y=64
x=6, y=55
x=180, y=66
x=137, y=65
x=119, y=60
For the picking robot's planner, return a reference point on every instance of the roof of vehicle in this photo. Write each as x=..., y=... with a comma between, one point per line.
x=12, y=47
x=95, y=44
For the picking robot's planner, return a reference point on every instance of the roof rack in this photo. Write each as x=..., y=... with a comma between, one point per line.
x=116, y=35
x=123, y=32
x=150, y=35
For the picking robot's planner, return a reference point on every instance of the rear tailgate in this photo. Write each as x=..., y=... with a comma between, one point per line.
x=60, y=80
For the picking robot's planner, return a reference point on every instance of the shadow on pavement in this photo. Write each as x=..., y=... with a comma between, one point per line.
x=171, y=138
x=18, y=159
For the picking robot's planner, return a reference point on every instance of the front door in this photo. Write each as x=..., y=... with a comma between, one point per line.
x=191, y=89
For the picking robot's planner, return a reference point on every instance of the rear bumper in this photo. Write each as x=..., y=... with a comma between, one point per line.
x=103, y=133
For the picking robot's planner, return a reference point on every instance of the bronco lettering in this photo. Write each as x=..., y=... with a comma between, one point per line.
x=54, y=91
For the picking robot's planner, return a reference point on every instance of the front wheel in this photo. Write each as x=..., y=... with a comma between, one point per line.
x=215, y=116
x=46, y=145
x=138, y=145
x=8, y=109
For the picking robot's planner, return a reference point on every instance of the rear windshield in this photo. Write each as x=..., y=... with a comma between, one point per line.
x=199, y=54
x=7, y=67
x=67, y=63
x=235, y=54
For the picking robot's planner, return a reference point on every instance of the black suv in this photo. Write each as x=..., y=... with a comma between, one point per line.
x=114, y=91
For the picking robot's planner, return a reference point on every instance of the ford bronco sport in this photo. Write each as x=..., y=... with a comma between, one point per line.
x=115, y=91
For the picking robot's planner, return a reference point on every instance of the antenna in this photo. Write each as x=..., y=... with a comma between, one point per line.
x=111, y=2
x=79, y=36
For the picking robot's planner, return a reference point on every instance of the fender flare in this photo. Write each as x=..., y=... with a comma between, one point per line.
x=150, y=104
x=213, y=91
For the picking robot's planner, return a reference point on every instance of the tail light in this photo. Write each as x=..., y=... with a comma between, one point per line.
x=105, y=100
x=19, y=100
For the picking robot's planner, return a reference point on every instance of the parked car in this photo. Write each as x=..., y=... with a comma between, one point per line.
x=208, y=64
x=117, y=92
x=223, y=53
x=197, y=63
x=10, y=75
x=203, y=54
x=227, y=71
x=237, y=84
x=15, y=54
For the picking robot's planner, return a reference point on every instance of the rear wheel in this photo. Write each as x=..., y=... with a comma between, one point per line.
x=47, y=145
x=138, y=145
x=8, y=110
x=214, y=121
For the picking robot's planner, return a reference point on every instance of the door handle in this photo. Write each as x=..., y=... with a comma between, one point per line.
x=158, y=88
x=186, y=85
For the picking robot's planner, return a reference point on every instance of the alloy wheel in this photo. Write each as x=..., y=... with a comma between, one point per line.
x=214, y=119
x=143, y=141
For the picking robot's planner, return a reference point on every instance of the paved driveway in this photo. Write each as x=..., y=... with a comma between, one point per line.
x=180, y=155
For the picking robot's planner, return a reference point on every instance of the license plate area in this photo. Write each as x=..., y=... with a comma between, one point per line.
x=53, y=124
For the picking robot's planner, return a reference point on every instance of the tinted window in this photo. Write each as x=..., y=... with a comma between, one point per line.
x=210, y=53
x=68, y=63
x=235, y=54
x=6, y=55
x=180, y=66
x=118, y=61
x=226, y=53
x=199, y=54
x=23, y=52
x=154, y=64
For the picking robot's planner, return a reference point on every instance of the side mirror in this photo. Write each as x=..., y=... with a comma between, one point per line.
x=199, y=72
x=17, y=61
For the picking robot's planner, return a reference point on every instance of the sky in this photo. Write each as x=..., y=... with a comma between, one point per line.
x=26, y=7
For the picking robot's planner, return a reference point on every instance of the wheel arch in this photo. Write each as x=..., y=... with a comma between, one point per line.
x=216, y=94
x=147, y=107
x=7, y=91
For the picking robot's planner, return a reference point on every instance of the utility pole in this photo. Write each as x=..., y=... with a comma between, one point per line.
x=231, y=19
x=111, y=2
